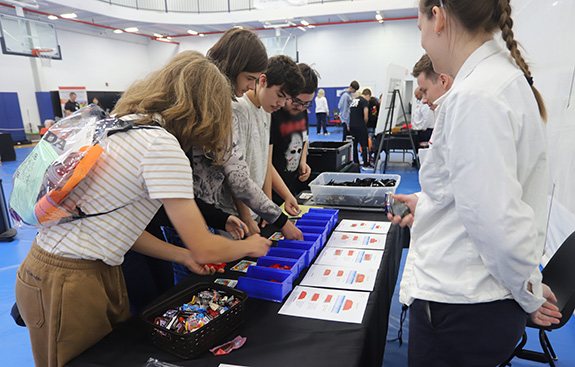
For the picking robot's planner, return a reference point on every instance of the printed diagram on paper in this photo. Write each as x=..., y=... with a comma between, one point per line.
x=326, y=304
x=340, y=277
x=363, y=226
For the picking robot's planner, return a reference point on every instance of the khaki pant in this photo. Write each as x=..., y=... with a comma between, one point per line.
x=68, y=304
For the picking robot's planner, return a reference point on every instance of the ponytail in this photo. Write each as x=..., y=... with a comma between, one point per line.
x=506, y=25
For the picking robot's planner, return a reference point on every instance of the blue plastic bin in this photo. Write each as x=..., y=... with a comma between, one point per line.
x=312, y=229
x=288, y=253
x=267, y=261
x=316, y=222
x=308, y=246
x=266, y=283
x=316, y=238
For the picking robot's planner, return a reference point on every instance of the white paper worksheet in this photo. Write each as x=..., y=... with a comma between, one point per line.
x=357, y=258
x=341, y=277
x=357, y=240
x=326, y=304
x=363, y=226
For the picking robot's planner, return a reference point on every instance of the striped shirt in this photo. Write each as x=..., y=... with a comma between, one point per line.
x=137, y=170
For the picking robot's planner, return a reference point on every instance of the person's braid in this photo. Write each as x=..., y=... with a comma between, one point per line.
x=506, y=25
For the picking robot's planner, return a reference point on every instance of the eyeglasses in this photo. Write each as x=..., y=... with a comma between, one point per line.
x=297, y=103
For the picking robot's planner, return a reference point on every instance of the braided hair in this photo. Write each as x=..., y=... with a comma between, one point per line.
x=488, y=15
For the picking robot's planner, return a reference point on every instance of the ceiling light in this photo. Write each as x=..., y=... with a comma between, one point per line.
x=304, y=22
x=169, y=37
x=192, y=32
x=131, y=29
x=118, y=31
x=52, y=17
x=69, y=15
x=268, y=24
x=158, y=35
x=201, y=35
x=301, y=28
x=378, y=16
x=311, y=26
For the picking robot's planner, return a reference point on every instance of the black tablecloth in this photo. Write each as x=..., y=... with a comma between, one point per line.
x=273, y=339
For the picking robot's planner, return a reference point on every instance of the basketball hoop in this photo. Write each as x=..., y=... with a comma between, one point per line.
x=44, y=54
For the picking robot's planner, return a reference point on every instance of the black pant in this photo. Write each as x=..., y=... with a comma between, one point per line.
x=321, y=121
x=457, y=335
x=359, y=134
x=424, y=135
x=345, y=131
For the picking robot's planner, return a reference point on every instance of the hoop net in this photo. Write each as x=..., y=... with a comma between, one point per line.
x=44, y=54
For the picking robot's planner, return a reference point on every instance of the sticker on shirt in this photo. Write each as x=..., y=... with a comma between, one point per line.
x=276, y=236
x=243, y=266
x=227, y=282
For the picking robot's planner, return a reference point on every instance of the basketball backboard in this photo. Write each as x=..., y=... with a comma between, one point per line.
x=281, y=45
x=20, y=36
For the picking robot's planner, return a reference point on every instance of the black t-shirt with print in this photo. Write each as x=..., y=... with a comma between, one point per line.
x=356, y=117
x=287, y=137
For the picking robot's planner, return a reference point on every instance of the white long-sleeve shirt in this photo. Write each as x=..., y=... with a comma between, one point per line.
x=321, y=105
x=479, y=226
x=422, y=116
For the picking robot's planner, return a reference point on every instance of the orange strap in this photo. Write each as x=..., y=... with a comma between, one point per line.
x=47, y=209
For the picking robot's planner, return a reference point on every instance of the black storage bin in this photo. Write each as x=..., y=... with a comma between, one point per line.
x=329, y=156
x=190, y=345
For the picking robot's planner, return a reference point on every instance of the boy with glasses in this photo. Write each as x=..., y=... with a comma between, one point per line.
x=289, y=142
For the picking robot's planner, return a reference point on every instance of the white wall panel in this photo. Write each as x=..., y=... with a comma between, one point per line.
x=549, y=42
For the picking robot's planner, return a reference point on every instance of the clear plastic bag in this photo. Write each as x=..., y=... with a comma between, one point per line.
x=62, y=158
x=152, y=362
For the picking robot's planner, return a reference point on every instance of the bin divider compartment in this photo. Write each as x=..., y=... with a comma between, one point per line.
x=298, y=255
x=313, y=229
x=308, y=246
x=268, y=261
x=266, y=283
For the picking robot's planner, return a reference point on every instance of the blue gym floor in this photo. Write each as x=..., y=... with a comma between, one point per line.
x=15, y=346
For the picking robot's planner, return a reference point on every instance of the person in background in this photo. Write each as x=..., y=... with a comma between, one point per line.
x=70, y=290
x=344, y=104
x=71, y=106
x=431, y=86
x=321, y=111
x=371, y=121
x=47, y=124
x=358, y=119
x=373, y=114
x=422, y=117
x=289, y=143
x=252, y=116
x=96, y=103
x=472, y=274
